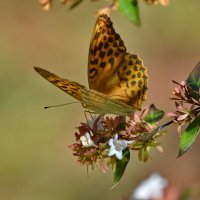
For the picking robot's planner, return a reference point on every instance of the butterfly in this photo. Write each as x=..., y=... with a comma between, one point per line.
x=117, y=79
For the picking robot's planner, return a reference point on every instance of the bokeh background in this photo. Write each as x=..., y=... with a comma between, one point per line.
x=36, y=162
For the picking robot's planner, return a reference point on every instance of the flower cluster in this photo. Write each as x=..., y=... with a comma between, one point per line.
x=103, y=139
x=98, y=140
x=187, y=107
x=47, y=4
x=144, y=134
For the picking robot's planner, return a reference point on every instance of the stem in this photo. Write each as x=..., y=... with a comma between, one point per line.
x=167, y=124
x=188, y=102
x=150, y=135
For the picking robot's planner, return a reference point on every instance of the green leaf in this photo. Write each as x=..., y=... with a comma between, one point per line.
x=154, y=115
x=188, y=136
x=75, y=4
x=121, y=166
x=187, y=195
x=130, y=9
x=194, y=82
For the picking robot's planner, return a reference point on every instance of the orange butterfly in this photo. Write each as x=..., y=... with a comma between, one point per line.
x=117, y=79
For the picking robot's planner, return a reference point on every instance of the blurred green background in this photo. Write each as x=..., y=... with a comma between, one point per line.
x=36, y=162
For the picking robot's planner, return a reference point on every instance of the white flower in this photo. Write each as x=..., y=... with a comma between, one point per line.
x=87, y=141
x=117, y=146
x=151, y=188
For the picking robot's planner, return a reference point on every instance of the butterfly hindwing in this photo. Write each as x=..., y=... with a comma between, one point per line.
x=130, y=84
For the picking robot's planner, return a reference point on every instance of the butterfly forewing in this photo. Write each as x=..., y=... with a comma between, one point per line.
x=105, y=53
x=70, y=87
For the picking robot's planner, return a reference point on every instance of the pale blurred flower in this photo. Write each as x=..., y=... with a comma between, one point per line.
x=87, y=141
x=162, y=2
x=117, y=146
x=45, y=4
x=151, y=188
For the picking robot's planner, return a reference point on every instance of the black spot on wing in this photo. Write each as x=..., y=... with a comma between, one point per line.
x=103, y=64
x=111, y=61
x=110, y=51
x=102, y=54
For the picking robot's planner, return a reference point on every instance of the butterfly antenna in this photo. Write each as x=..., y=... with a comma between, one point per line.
x=64, y=104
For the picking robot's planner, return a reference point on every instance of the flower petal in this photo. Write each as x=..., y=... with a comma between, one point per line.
x=110, y=142
x=111, y=152
x=87, y=135
x=118, y=155
x=182, y=117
